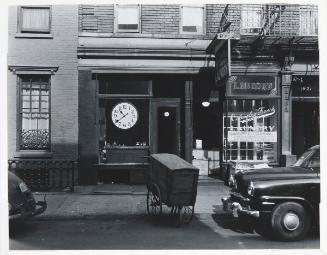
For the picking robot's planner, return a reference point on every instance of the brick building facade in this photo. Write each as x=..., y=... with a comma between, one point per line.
x=164, y=62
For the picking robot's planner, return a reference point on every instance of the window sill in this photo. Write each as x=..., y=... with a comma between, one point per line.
x=32, y=35
x=33, y=154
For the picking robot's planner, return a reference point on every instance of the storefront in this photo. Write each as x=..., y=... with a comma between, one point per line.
x=305, y=112
x=251, y=119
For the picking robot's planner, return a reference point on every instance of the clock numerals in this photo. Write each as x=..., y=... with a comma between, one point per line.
x=124, y=115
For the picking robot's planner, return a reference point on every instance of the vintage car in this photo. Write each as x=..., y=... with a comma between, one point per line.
x=283, y=202
x=21, y=201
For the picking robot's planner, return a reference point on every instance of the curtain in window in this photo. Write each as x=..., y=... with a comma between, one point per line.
x=35, y=19
x=308, y=20
x=252, y=18
x=128, y=18
x=192, y=19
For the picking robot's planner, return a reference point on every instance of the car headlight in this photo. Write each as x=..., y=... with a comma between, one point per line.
x=251, y=189
x=23, y=187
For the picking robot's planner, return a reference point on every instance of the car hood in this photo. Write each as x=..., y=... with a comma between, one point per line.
x=279, y=173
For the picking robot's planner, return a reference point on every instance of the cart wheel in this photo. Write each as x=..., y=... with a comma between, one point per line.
x=187, y=213
x=153, y=199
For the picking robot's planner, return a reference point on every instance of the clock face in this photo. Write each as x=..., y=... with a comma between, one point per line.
x=124, y=115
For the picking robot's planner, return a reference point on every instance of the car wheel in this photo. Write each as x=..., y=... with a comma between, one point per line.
x=290, y=221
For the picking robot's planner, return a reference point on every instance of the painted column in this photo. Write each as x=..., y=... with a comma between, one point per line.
x=188, y=120
x=286, y=113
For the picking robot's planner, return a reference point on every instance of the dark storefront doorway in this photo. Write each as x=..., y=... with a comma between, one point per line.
x=166, y=125
x=305, y=128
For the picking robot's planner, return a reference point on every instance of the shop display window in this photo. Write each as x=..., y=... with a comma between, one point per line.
x=250, y=130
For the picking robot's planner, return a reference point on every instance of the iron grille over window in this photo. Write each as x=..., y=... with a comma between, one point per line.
x=34, y=19
x=35, y=113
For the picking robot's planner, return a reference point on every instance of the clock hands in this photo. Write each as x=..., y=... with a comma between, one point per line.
x=124, y=115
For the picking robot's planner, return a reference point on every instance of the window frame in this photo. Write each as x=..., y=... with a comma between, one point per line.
x=203, y=32
x=20, y=79
x=116, y=25
x=307, y=30
x=245, y=31
x=32, y=30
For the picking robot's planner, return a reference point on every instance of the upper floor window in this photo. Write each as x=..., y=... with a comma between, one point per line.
x=192, y=19
x=308, y=20
x=34, y=19
x=34, y=131
x=251, y=19
x=127, y=18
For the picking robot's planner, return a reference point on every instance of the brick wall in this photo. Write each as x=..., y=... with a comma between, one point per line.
x=61, y=51
x=160, y=19
x=165, y=19
x=96, y=18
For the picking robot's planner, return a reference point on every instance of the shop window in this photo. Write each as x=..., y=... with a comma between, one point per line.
x=127, y=18
x=34, y=113
x=127, y=122
x=252, y=17
x=250, y=130
x=192, y=20
x=308, y=20
x=34, y=19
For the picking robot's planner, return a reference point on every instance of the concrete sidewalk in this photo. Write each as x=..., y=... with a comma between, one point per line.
x=106, y=200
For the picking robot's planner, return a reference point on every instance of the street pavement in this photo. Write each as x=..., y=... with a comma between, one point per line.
x=114, y=216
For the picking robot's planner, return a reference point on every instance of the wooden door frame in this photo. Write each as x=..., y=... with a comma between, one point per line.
x=164, y=102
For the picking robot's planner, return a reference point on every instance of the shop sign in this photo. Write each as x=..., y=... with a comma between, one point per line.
x=252, y=136
x=261, y=112
x=252, y=85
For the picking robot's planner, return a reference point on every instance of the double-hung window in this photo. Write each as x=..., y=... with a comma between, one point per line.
x=192, y=20
x=34, y=132
x=127, y=18
x=252, y=18
x=35, y=19
x=308, y=20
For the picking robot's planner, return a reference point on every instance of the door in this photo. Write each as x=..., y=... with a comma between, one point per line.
x=165, y=126
x=305, y=126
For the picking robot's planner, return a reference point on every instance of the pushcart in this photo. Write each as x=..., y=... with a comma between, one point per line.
x=172, y=182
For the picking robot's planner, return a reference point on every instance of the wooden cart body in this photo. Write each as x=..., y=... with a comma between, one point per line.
x=172, y=181
x=177, y=179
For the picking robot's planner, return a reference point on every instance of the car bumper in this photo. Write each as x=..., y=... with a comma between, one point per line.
x=237, y=209
x=40, y=207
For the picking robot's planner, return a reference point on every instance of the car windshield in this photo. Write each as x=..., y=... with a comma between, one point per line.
x=302, y=159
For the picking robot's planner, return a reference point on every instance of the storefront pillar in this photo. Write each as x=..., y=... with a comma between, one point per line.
x=286, y=124
x=188, y=120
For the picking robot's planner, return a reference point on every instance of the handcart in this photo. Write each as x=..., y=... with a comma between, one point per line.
x=172, y=182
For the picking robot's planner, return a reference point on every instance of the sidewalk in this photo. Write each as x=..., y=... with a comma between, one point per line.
x=107, y=200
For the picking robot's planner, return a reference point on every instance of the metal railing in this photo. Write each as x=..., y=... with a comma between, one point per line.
x=44, y=174
x=279, y=20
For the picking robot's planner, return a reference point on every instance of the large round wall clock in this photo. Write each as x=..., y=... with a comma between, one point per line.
x=124, y=115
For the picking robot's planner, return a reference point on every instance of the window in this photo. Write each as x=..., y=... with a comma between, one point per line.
x=127, y=18
x=308, y=20
x=192, y=20
x=34, y=19
x=251, y=19
x=34, y=113
x=250, y=130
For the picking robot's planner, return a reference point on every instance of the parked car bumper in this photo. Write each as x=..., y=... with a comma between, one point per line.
x=238, y=209
x=40, y=207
